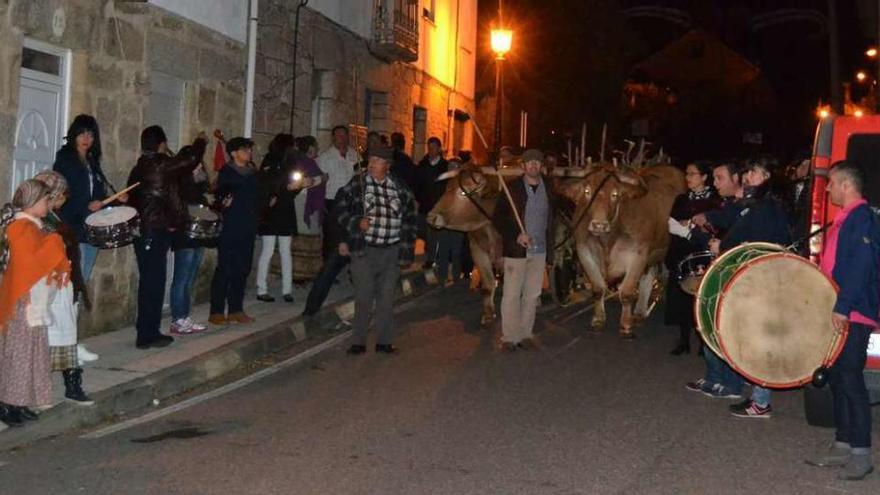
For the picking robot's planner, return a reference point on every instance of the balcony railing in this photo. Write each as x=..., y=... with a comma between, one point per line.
x=396, y=29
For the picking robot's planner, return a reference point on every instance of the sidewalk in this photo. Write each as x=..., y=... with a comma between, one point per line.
x=128, y=380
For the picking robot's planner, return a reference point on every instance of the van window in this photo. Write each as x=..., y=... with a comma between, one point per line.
x=864, y=150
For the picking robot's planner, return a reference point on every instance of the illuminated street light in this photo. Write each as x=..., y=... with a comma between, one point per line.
x=858, y=113
x=861, y=76
x=871, y=52
x=823, y=113
x=502, y=39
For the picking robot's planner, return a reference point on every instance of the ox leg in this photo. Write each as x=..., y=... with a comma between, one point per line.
x=646, y=290
x=628, y=296
x=597, y=283
x=487, y=281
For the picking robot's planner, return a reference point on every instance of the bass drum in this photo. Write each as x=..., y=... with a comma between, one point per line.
x=767, y=313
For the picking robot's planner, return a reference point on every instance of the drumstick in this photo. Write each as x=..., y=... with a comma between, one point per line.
x=117, y=195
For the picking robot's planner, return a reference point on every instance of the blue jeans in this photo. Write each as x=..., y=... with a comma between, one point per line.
x=88, y=254
x=718, y=371
x=852, y=409
x=760, y=396
x=186, y=267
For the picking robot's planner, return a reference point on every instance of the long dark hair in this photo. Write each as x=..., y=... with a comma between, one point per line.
x=278, y=149
x=81, y=124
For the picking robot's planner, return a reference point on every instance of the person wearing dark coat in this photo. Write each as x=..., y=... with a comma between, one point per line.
x=238, y=198
x=402, y=166
x=79, y=161
x=162, y=213
x=701, y=197
x=428, y=192
x=277, y=194
x=762, y=219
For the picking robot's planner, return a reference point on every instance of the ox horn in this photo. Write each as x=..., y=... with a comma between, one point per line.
x=448, y=175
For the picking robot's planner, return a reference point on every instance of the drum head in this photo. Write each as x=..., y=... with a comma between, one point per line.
x=714, y=280
x=773, y=321
x=111, y=215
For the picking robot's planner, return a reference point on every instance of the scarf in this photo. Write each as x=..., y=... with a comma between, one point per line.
x=33, y=257
x=700, y=195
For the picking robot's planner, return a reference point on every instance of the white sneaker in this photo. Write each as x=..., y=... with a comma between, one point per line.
x=185, y=326
x=84, y=355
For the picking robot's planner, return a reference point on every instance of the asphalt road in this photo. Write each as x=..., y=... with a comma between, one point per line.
x=584, y=414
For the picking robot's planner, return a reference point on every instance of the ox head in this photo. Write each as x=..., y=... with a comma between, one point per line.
x=468, y=185
x=599, y=194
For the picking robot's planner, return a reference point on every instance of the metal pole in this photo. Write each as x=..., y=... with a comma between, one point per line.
x=499, y=96
x=301, y=4
x=251, y=69
x=834, y=58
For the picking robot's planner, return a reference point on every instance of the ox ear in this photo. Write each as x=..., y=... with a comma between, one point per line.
x=570, y=189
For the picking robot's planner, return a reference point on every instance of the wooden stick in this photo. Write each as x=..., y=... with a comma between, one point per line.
x=604, y=136
x=117, y=195
x=583, y=144
x=571, y=161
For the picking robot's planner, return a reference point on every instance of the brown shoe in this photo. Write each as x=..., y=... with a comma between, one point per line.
x=217, y=319
x=241, y=317
x=507, y=347
x=527, y=344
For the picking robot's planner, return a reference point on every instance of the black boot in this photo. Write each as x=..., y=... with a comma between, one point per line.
x=10, y=415
x=73, y=387
x=684, y=341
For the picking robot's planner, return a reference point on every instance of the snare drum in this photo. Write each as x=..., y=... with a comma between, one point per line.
x=204, y=223
x=112, y=227
x=691, y=270
x=767, y=313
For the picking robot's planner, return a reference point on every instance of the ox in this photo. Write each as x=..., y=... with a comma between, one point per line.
x=621, y=232
x=467, y=206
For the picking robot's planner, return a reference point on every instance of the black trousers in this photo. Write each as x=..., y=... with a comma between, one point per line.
x=322, y=284
x=852, y=408
x=234, y=259
x=151, y=251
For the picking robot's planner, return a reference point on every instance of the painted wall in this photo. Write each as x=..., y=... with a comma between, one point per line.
x=228, y=17
x=355, y=15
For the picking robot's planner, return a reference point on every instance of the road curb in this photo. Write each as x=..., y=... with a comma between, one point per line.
x=142, y=393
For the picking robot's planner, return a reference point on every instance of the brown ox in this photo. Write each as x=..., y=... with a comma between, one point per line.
x=621, y=232
x=457, y=210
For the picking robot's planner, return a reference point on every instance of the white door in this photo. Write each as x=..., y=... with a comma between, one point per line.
x=42, y=110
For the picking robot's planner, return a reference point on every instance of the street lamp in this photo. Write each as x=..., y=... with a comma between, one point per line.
x=501, y=41
x=861, y=76
x=871, y=52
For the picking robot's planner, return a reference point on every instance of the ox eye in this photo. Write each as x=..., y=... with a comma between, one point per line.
x=587, y=191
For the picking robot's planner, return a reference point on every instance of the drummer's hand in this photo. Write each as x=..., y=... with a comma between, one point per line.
x=364, y=224
x=123, y=198
x=94, y=206
x=699, y=220
x=839, y=321
x=715, y=245
x=343, y=249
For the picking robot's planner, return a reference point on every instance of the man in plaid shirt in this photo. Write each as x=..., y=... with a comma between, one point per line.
x=378, y=214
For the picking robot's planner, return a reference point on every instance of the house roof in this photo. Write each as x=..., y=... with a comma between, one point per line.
x=697, y=58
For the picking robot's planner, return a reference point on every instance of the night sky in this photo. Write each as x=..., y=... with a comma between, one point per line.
x=572, y=58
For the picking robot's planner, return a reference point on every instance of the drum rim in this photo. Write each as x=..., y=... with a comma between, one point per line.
x=761, y=259
x=109, y=208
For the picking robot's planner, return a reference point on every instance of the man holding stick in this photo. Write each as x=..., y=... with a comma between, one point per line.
x=523, y=217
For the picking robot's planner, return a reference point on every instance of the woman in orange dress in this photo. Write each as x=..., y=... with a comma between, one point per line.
x=37, y=266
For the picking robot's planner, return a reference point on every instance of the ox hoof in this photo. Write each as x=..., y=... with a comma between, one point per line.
x=486, y=322
x=597, y=325
x=627, y=334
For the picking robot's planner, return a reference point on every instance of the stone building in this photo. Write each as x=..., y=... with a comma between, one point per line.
x=130, y=64
x=390, y=65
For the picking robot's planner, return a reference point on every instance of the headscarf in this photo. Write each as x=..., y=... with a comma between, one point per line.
x=56, y=183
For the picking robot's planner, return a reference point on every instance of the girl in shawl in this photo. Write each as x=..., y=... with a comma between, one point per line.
x=37, y=267
x=62, y=330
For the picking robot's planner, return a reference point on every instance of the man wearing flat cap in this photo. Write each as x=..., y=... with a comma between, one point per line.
x=526, y=248
x=378, y=216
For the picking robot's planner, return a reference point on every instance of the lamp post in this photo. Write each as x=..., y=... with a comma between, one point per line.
x=501, y=41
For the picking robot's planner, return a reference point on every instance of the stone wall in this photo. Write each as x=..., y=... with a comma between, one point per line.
x=336, y=67
x=115, y=48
